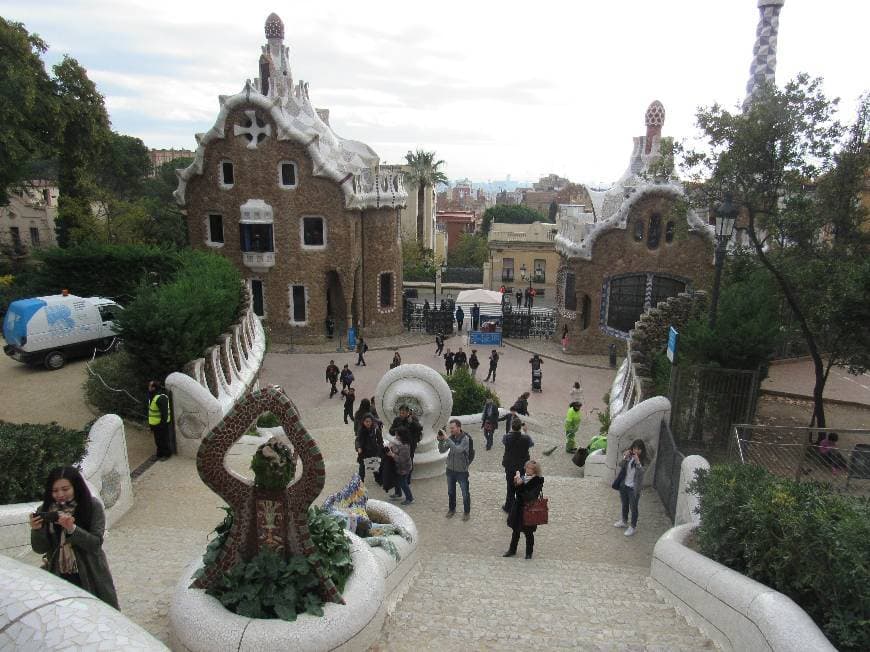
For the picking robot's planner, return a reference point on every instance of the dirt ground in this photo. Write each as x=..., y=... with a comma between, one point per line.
x=36, y=395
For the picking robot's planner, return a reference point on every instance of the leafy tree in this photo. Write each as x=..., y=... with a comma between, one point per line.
x=124, y=165
x=28, y=108
x=424, y=172
x=509, y=215
x=552, y=211
x=796, y=172
x=418, y=263
x=472, y=250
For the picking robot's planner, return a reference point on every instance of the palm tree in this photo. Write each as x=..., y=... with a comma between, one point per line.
x=424, y=172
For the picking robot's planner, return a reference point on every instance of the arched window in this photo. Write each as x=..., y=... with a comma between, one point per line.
x=570, y=295
x=628, y=297
x=655, y=225
x=638, y=230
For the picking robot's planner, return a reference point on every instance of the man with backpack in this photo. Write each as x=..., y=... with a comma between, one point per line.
x=332, y=377
x=460, y=454
x=493, y=365
x=361, y=348
x=346, y=377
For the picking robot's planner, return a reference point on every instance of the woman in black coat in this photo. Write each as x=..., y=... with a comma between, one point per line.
x=369, y=442
x=526, y=489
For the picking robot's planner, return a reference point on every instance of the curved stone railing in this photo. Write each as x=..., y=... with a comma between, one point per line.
x=199, y=623
x=738, y=613
x=107, y=472
x=209, y=387
x=634, y=382
x=39, y=611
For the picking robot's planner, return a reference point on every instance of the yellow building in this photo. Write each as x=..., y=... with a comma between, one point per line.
x=518, y=252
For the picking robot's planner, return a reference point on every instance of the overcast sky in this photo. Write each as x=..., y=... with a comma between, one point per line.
x=494, y=88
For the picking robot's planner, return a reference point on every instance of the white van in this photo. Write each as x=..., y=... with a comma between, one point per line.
x=48, y=330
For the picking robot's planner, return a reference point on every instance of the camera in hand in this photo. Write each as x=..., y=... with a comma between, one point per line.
x=48, y=517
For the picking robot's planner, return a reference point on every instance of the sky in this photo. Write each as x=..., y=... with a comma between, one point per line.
x=494, y=88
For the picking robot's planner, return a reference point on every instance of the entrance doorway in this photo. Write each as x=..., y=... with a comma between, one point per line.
x=336, y=308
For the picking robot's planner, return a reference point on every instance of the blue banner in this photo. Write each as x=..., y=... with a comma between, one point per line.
x=479, y=337
x=351, y=338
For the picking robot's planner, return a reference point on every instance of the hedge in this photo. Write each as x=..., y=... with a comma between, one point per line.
x=115, y=385
x=800, y=539
x=168, y=325
x=29, y=452
x=469, y=395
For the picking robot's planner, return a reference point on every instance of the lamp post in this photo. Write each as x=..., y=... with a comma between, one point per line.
x=523, y=272
x=726, y=215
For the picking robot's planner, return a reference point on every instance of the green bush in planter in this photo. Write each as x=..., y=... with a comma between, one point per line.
x=469, y=395
x=800, y=539
x=29, y=451
x=273, y=465
x=116, y=385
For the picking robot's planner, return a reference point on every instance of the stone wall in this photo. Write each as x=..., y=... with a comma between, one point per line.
x=688, y=258
x=356, y=254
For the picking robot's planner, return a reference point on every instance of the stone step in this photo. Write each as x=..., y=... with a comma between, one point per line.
x=461, y=602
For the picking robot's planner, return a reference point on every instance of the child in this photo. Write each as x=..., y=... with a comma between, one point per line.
x=577, y=393
x=349, y=394
x=634, y=461
x=565, y=340
x=400, y=451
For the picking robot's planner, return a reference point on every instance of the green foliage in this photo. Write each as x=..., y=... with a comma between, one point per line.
x=273, y=465
x=115, y=385
x=604, y=417
x=661, y=373
x=747, y=326
x=471, y=250
x=797, y=175
x=509, y=215
x=124, y=164
x=28, y=111
x=29, y=452
x=269, y=586
x=469, y=395
x=268, y=420
x=798, y=538
x=418, y=263
x=168, y=325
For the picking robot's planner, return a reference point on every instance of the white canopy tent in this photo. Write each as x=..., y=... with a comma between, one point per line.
x=479, y=296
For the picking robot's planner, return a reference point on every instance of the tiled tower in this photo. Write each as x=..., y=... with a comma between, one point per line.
x=763, y=68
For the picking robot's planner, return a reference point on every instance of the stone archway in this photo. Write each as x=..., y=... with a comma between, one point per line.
x=336, y=306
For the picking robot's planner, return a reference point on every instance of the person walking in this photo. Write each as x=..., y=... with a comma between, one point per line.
x=448, y=361
x=159, y=418
x=634, y=462
x=516, y=453
x=68, y=530
x=519, y=298
x=564, y=339
x=460, y=359
x=460, y=317
x=457, y=447
x=522, y=404
x=526, y=298
x=577, y=392
x=493, y=366
x=400, y=451
x=475, y=317
x=397, y=360
x=572, y=425
x=369, y=445
x=532, y=294
x=346, y=377
x=509, y=419
x=361, y=348
x=349, y=394
x=332, y=377
x=527, y=487
x=473, y=363
x=489, y=421
x=439, y=343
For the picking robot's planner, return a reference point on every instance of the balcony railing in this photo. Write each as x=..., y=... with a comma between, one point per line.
x=258, y=259
x=539, y=278
x=507, y=275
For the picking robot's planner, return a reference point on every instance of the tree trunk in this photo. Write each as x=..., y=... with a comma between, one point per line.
x=421, y=208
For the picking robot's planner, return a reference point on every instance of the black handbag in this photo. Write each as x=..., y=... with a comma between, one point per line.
x=620, y=477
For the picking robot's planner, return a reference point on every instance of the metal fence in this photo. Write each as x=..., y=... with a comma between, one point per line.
x=666, y=480
x=462, y=275
x=839, y=458
x=705, y=402
x=519, y=324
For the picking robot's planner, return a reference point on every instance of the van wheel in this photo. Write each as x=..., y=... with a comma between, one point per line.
x=54, y=360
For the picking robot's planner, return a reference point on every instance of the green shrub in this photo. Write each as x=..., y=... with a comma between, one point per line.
x=661, y=373
x=604, y=417
x=798, y=538
x=273, y=465
x=469, y=395
x=29, y=452
x=268, y=586
x=268, y=420
x=169, y=325
x=115, y=385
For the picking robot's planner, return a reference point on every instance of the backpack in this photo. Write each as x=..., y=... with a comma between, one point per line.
x=470, y=448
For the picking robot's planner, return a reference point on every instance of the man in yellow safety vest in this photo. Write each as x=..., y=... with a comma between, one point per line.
x=159, y=418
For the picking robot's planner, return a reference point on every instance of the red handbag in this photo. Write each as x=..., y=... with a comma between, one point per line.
x=535, y=512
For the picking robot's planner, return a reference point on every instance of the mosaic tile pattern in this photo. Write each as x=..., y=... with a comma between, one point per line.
x=278, y=519
x=763, y=67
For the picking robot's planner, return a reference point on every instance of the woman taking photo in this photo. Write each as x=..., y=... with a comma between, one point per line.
x=68, y=531
x=526, y=488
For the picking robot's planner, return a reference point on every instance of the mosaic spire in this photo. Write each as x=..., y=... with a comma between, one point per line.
x=763, y=68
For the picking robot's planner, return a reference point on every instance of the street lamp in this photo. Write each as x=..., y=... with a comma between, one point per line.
x=726, y=215
x=523, y=271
